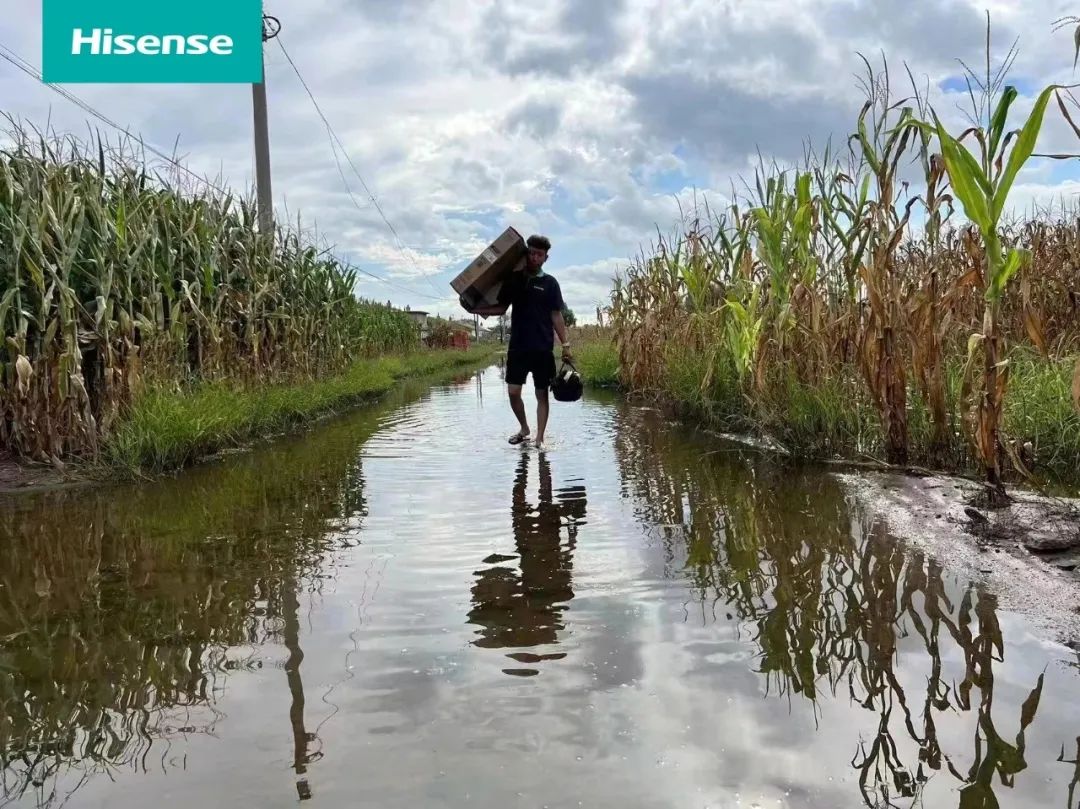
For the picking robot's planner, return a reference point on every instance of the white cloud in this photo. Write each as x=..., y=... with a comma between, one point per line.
x=588, y=286
x=1028, y=198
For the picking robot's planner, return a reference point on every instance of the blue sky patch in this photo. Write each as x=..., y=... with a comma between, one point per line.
x=958, y=84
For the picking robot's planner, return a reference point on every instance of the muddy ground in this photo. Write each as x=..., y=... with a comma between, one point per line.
x=16, y=476
x=1028, y=553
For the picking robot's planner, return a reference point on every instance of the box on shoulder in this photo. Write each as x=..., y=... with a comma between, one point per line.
x=479, y=283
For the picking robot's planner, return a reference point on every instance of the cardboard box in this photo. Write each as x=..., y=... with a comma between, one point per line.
x=480, y=282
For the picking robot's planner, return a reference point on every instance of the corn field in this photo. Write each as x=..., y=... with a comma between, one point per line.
x=113, y=276
x=815, y=284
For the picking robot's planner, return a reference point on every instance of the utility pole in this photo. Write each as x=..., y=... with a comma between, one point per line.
x=476, y=326
x=270, y=29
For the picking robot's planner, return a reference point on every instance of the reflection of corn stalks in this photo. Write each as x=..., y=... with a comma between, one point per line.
x=1074, y=785
x=120, y=617
x=828, y=606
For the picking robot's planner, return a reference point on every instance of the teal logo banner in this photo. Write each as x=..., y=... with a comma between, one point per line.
x=152, y=41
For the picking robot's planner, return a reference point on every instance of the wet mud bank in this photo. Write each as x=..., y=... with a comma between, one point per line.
x=1027, y=552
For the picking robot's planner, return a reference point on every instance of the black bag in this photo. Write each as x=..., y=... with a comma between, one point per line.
x=567, y=385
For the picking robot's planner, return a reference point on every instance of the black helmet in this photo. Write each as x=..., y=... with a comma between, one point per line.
x=567, y=385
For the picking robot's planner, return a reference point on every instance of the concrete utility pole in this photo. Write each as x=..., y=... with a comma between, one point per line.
x=271, y=27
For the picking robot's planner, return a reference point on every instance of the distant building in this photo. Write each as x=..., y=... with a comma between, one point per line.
x=421, y=320
x=480, y=332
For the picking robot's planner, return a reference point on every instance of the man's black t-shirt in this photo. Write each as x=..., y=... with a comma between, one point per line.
x=532, y=300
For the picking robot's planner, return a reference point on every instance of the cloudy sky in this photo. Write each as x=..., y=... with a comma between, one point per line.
x=591, y=121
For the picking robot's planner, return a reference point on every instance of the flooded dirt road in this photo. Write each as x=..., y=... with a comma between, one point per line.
x=397, y=609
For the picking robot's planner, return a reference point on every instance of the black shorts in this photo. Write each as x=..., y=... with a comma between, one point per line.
x=541, y=364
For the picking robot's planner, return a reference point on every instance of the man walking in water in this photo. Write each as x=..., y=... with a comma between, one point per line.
x=536, y=304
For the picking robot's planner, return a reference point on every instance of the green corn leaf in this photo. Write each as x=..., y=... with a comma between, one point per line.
x=976, y=170
x=802, y=188
x=738, y=310
x=864, y=140
x=830, y=219
x=1022, y=149
x=964, y=182
x=864, y=192
x=1015, y=260
x=1001, y=114
x=36, y=274
x=5, y=305
x=121, y=225
x=50, y=331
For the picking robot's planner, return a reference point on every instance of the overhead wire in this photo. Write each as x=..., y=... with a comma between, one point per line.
x=30, y=70
x=334, y=138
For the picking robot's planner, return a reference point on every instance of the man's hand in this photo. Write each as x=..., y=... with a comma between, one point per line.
x=567, y=356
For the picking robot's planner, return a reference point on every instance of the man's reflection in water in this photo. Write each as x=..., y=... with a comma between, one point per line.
x=523, y=608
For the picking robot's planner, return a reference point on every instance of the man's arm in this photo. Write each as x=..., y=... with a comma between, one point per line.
x=508, y=292
x=504, y=299
x=487, y=311
x=558, y=321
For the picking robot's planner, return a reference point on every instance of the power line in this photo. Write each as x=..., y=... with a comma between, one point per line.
x=30, y=70
x=390, y=283
x=330, y=129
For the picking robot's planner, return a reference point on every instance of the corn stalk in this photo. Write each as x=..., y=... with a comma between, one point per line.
x=982, y=183
x=783, y=226
x=931, y=311
x=883, y=362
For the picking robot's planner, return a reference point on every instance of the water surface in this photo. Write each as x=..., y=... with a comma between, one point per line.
x=397, y=609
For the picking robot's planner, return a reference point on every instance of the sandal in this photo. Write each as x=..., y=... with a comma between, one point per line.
x=518, y=438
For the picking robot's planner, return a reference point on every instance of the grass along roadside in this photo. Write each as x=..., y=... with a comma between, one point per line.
x=598, y=363
x=596, y=356
x=835, y=419
x=168, y=430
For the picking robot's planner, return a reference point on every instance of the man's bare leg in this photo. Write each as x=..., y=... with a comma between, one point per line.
x=542, y=407
x=518, y=406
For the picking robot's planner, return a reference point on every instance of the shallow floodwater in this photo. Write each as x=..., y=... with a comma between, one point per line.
x=397, y=609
